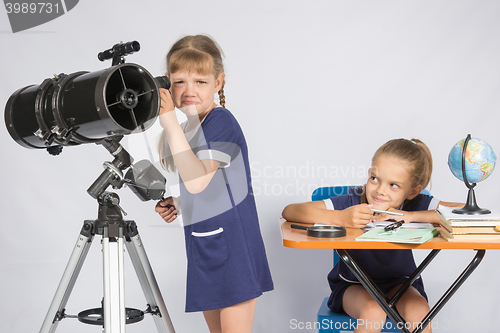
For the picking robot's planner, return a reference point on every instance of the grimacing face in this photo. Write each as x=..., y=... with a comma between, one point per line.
x=193, y=93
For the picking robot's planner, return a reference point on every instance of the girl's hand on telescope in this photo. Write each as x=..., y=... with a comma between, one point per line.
x=167, y=116
x=167, y=104
x=166, y=209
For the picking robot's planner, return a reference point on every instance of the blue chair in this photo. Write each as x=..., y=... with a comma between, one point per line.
x=331, y=322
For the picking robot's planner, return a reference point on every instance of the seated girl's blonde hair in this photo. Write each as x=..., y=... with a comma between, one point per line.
x=195, y=54
x=415, y=153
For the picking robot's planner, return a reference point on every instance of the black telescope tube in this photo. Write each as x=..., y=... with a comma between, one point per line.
x=84, y=107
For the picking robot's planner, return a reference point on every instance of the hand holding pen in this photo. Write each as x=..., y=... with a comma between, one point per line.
x=387, y=212
x=384, y=215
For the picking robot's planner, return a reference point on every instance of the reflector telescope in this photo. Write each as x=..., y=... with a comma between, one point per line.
x=84, y=107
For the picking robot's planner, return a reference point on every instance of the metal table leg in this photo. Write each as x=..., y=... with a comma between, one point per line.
x=454, y=287
x=371, y=287
x=389, y=305
x=413, y=277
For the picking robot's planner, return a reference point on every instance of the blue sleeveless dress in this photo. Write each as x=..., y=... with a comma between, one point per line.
x=388, y=268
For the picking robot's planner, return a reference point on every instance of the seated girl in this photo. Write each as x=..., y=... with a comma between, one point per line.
x=400, y=170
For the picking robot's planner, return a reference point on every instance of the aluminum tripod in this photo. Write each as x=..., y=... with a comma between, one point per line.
x=113, y=315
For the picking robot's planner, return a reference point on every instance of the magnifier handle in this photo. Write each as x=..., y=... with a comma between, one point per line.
x=298, y=226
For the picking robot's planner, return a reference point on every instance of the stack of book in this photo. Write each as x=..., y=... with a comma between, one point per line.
x=460, y=227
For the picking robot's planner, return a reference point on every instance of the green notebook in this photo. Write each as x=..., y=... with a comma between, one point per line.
x=411, y=236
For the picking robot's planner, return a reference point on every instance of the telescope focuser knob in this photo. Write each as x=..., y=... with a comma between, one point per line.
x=54, y=150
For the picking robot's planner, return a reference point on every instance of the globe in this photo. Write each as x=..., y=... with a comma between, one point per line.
x=480, y=160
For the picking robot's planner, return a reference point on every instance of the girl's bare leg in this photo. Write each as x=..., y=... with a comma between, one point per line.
x=413, y=308
x=237, y=318
x=359, y=304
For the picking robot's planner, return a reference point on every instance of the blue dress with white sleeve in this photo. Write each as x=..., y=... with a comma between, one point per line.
x=226, y=257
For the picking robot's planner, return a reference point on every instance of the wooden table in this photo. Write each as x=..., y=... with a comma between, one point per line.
x=296, y=238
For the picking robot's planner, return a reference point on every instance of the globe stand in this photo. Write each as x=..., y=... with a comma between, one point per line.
x=471, y=207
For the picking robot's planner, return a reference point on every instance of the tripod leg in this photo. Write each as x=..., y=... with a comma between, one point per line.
x=148, y=282
x=114, y=295
x=56, y=309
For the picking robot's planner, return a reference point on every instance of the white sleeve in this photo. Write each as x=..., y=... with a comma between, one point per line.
x=216, y=155
x=433, y=205
x=329, y=204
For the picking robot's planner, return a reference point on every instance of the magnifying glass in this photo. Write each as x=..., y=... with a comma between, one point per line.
x=323, y=231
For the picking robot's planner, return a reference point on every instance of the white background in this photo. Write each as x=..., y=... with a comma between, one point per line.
x=317, y=86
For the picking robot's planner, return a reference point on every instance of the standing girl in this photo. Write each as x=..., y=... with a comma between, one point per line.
x=400, y=170
x=227, y=265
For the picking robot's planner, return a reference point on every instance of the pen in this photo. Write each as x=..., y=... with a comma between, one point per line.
x=386, y=212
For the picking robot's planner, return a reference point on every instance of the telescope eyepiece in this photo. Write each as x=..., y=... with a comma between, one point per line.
x=119, y=50
x=163, y=81
x=129, y=48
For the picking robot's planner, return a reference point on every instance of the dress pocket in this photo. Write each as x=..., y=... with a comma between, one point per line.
x=209, y=249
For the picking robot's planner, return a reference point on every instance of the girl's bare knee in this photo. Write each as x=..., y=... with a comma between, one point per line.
x=415, y=312
x=372, y=314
